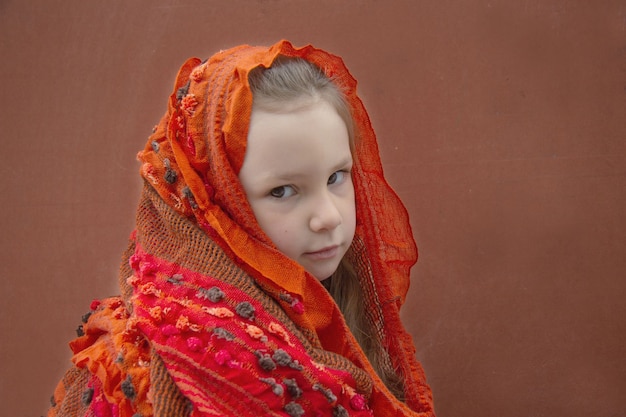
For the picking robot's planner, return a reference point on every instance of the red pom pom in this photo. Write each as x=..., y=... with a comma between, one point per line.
x=170, y=330
x=358, y=402
x=222, y=357
x=194, y=344
x=297, y=306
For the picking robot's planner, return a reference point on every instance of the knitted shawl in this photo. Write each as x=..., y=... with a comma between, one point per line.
x=212, y=319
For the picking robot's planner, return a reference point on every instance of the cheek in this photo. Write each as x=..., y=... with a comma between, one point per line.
x=351, y=209
x=265, y=219
x=277, y=227
x=352, y=226
x=286, y=241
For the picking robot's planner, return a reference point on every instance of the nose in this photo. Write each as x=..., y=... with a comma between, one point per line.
x=325, y=214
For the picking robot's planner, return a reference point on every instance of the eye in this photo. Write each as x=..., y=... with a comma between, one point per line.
x=337, y=177
x=283, y=191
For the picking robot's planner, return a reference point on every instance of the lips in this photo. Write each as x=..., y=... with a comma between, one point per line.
x=324, y=253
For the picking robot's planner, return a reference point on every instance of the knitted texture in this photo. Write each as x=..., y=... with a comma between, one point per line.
x=213, y=319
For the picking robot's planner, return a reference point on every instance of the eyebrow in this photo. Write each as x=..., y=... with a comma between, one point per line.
x=344, y=162
x=290, y=176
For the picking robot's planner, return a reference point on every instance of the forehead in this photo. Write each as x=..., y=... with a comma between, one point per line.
x=297, y=138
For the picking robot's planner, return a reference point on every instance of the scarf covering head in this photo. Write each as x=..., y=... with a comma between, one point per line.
x=213, y=319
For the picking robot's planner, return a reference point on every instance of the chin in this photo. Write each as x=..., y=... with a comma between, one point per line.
x=322, y=279
x=322, y=274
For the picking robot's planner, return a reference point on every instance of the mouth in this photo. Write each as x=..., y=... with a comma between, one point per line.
x=324, y=253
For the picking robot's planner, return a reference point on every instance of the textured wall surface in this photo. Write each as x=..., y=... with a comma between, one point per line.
x=502, y=125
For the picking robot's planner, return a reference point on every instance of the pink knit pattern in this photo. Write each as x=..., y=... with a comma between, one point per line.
x=227, y=353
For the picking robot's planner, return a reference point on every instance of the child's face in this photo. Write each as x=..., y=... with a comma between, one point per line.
x=296, y=175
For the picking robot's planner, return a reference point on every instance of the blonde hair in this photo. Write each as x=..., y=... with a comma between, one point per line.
x=290, y=80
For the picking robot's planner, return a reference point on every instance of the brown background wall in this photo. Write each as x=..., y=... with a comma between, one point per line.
x=501, y=125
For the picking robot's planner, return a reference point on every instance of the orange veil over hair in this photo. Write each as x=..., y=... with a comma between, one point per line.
x=197, y=233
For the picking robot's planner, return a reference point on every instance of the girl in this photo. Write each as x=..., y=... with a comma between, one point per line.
x=269, y=261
